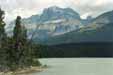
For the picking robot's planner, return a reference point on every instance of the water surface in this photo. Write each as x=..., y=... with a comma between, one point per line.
x=77, y=66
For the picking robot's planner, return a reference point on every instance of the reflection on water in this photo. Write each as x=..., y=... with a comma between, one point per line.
x=77, y=66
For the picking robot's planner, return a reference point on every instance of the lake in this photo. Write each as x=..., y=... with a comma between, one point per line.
x=77, y=66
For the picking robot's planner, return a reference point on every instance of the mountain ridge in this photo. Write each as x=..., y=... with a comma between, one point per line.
x=56, y=22
x=100, y=30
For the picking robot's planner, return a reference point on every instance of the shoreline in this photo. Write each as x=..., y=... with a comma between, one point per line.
x=26, y=71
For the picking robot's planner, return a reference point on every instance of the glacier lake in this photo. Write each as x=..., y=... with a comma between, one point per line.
x=77, y=66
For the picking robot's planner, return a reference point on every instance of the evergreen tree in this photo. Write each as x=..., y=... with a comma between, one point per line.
x=2, y=25
x=22, y=51
x=15, y=52
x=3, y=40
x=18, y=42
x=18, y=29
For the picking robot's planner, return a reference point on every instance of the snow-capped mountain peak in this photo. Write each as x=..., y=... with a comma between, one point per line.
x=53, y=21
x=53, y=13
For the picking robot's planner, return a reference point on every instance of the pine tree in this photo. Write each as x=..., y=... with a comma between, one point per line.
x=3, y=40
x=2, y=25
x=22, y=52
x=18, y=42
x=15, y=52
x=18, y=29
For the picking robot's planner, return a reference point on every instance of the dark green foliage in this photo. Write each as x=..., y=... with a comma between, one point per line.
x=19, y=42
x=90, y=49
x=22, y=50
x=3, y=40
x=17, y=51
x=2, y=30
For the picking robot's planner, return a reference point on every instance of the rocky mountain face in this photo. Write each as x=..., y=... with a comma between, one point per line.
x=63, y=25
x=53, y=21
x=99, y=30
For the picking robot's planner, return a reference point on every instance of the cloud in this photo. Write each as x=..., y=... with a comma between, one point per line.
x=26, y=8
x=92, y=7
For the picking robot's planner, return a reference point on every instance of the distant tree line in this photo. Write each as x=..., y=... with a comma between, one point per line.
x=87, y=49
x=16, y=51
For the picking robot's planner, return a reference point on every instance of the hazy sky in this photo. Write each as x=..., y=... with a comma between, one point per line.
x=26, y=8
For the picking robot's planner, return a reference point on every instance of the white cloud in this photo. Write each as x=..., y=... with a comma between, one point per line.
x=84, y=16
x=103, y=2
x=26, y=8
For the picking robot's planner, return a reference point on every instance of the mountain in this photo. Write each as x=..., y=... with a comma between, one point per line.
x=54, y=13
x=53, y=21
x=88, y=20
x=99, y=30
x=64, y=25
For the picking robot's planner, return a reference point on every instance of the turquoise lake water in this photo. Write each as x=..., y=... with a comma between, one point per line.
x=77, y=66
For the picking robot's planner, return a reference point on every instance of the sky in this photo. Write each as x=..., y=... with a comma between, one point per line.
x=27, y=8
